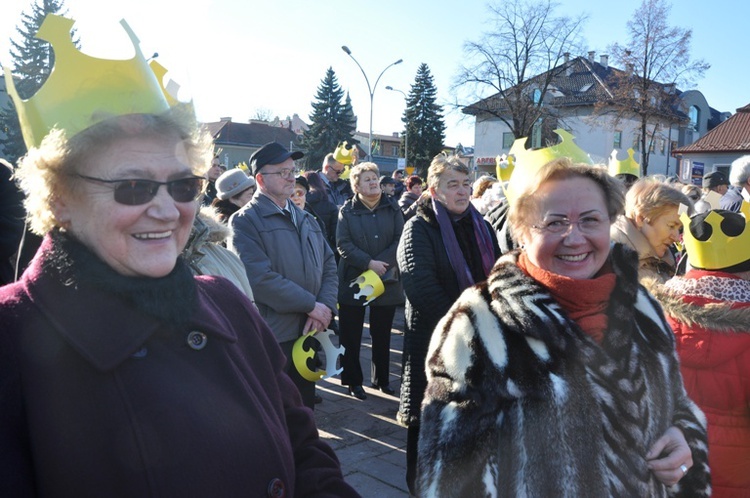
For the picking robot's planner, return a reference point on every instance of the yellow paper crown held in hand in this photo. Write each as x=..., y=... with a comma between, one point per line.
x=504, y=167
x=368, y=285
x=301, y=355
x=627, y=166
x=528, y=161
x=344, y=153
x=721, y=250
x=82, y=90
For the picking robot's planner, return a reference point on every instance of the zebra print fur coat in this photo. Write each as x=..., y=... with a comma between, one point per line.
x=521, y=403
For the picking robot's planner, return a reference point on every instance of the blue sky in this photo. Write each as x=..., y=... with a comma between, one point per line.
x=234, y=58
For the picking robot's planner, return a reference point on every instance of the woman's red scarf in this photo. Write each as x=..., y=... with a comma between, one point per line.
x=585, y=300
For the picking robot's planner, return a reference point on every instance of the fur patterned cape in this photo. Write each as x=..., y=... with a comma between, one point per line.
x=520, y=402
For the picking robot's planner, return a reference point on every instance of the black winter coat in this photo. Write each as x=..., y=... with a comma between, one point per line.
x=363, y=235
x=325, y=211
x=431, y=288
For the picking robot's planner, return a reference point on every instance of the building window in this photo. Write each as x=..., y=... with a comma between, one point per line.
x=508, y=139
x=695, y=115
x=637, y=143
x=618, y=139
x=537, y=95
x=662, y=146
x=673, y=145
x=536, y=134
x=394, y=150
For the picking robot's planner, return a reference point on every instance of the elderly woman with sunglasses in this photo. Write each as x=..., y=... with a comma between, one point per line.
x=558, y=376
x=121, y=374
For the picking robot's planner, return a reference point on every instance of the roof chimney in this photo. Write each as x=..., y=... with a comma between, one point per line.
x=604, y=61
x=592, y=53
x=567, y=56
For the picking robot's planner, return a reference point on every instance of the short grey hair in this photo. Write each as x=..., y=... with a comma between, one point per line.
x=740, y=171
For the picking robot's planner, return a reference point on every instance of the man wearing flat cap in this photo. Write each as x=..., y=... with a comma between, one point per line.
x=715, y=181
x=289, y=264
x=387, y=185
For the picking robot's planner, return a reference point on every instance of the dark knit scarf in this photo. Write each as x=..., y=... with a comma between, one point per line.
x=455, y=256
x=172, y=299
x=585, y=301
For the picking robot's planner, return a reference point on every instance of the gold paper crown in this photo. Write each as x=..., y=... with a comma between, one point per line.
x=300, y=355
x=720, y=250
x=528, y=161
x=369, y=286
x=82, y=90
x=628, y=166
x=344, y=153
x=504, y=166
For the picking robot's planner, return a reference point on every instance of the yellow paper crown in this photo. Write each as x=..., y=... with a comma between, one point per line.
x=627, y=166
x=344, y=153
x=82, y=90
x=528, y=161
x=300, y=355
x=368, y=285
x=721, y=250
x=504, y=167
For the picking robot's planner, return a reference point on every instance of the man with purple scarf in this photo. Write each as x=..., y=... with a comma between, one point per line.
x=444, y=249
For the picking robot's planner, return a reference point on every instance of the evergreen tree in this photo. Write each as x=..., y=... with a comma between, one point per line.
x=331, y=122
x=33, y=60
x=424, y=122
x=348, y=120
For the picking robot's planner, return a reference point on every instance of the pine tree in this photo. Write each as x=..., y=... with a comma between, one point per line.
x=424, y=122
x=348, y=119
x=33, y=60
x=331, y=122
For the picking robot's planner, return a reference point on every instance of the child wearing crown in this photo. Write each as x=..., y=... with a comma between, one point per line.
x=709, y=311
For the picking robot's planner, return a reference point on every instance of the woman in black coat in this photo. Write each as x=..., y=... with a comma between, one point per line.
x=367, y=235
x=433, y=280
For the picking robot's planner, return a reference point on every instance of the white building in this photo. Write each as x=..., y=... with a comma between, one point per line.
x=573, y=94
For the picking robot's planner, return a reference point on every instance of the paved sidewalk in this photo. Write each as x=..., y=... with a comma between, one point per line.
x=364, y=434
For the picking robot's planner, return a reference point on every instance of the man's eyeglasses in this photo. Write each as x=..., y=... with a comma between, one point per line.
x=132, y=192
x=338, y=171
x=588, y=225
x=285, y=173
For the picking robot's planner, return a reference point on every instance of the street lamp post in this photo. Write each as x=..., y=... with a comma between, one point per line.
x=406, y=130
x=371, y=89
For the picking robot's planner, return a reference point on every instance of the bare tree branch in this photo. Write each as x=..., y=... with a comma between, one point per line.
x=520, y=52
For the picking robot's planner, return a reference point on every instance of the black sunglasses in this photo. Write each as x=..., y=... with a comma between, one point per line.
x=137, y=192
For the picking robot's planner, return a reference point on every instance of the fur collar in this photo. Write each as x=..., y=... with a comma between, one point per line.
x=716, y=316
x=626, y=297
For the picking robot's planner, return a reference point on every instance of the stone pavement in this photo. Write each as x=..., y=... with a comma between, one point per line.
x=365, y=435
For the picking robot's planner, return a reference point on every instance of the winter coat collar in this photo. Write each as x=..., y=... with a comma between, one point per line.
x=624, y=230
x=696, y=310
x=355, y=206
x=626, y=295
x=102, y=328
x=425, y=211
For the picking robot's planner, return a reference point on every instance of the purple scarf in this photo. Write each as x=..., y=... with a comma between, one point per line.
x=455, y=256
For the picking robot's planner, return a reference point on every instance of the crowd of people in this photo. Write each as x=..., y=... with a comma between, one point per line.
x=594, y=344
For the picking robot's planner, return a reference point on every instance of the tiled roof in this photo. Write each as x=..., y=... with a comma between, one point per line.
x=249, y=134
x=578, y=82
x=733, y=135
